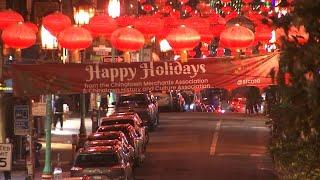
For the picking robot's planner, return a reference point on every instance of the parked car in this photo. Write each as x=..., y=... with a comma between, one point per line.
x=127, y=149
x=103, y=162
x=142, y=103
x=134, y=140
x=131, y=118
x=111, y=135
x=165, y=100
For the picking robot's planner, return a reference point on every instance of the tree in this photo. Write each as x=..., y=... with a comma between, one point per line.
x=296, y=117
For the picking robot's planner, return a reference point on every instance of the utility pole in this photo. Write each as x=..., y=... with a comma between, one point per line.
x=47, y=171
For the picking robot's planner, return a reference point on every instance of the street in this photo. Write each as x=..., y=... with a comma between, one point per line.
x=191, y=146
x=208, y=146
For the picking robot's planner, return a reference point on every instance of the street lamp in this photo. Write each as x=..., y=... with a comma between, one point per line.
x=48, y=42
x=83, y=11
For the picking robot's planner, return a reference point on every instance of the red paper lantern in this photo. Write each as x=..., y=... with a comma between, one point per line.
x=126, y=21
x=75, y=38
x=160, y=2
x=183, y=38
x=263, y=33
x=220, y=51
x=149, y=25
x=19, y=36
x=246, y=1
x=201, y=25
x=231, y=15
x=170, y=23
x=186, y=8
x=183, y=1
x=32, y=26
x=127, y=39
x=226, y=1
x=56, y=22
x=192, y=53
x=142, y=1
x=102, y=24
x=226, y=9
x=236, y=37
x=147, y=7
x=166, y=9
x=9, y=17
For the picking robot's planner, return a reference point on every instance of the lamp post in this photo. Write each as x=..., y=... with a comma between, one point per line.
x=48, y=42
x=83, y=11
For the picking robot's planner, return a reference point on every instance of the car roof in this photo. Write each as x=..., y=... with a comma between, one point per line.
x=100, y=149
x=107, y=142
x=124, y=113
x=118, y=117
x=106, y=134
x=116, y=127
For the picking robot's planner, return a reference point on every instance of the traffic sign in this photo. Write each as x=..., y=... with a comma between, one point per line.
x=5, y=157
x=21, y=119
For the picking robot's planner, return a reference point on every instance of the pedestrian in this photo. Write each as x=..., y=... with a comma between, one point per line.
x=58, y=112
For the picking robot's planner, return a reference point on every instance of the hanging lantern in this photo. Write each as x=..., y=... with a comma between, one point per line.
x=183, y=38
x=56, y=22
x=160, y=2
x=18, y=36
x=170, y=23
x=220, y=51
x=102, y=24
x=216, y=24
x=262, y=49
x=236, y=37
x=226, y=9
x=183, y=1
x=9, y=17
x=147, y=8
x=124, y=21
x=166, y=9
x=226, y=1
x=32, y=26
x=114, y=8
x=142, y=1
x=149, y=25
x=263, y=33
x=231, y=15
x=242, y=21
x=246, y=1
x=75, y=38
x=186, y=9
x=127, y=39
x=192, y=53
x=201, y=25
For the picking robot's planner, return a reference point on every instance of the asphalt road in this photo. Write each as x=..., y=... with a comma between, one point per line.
x=202, y=146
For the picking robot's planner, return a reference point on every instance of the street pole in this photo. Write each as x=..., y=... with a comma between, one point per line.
x=31, y=162
x=82, y=130
x=47, y=170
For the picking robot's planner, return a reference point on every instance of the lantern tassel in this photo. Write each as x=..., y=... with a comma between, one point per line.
x=127, y=57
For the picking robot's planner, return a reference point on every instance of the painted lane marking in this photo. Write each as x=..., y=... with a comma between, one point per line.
x=215, y=139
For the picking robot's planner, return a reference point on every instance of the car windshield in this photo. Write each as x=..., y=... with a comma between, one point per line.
x=96, y=160
x=139, y=99
x=120, y=121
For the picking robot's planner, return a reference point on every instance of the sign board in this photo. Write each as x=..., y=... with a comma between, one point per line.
x=5, y=157
x=39, y=109
x=21, y=119
x=196, y=74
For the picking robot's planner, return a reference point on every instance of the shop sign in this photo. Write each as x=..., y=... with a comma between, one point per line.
x=21, y=119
